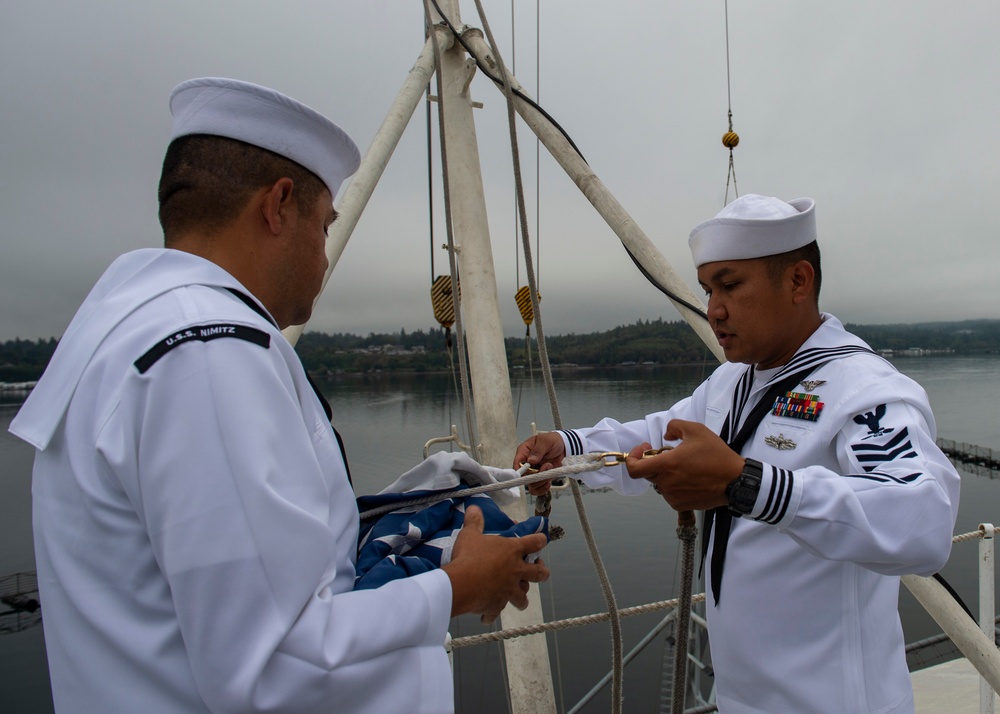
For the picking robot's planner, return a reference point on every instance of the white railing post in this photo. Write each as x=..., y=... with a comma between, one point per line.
x=987, y=609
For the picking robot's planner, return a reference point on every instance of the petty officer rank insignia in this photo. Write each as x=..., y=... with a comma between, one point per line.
x=201, y=333
x=798, y=405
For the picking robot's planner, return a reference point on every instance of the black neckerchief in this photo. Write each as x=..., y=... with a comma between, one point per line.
x=798, y=368
x=722, y=516
x=252, y=304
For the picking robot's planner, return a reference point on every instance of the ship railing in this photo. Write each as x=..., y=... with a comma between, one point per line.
x=976, y=641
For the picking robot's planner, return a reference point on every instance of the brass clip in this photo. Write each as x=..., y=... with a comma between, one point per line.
x=612, y=458
x=649, y=453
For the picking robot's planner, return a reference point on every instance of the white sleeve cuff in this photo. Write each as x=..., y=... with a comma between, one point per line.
x=779, y=496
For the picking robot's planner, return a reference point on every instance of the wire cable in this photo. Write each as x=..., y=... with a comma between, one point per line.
x=730, y=139
x=499, y=81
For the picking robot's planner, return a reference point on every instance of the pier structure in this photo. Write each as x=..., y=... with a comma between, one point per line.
x=986, y=459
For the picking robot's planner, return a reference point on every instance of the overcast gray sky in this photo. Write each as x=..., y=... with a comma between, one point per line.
x=884, y=112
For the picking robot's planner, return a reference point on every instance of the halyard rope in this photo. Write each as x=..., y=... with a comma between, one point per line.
x=687, y=532
x=456, y=295
x=572, y=465
x=609, y=596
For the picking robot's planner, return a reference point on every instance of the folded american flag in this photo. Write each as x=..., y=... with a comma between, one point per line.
x=416, y=539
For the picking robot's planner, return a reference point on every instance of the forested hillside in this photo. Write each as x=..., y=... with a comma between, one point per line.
x=643, y=342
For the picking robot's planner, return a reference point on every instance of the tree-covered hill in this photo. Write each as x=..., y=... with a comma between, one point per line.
x=645, y=341
x=24, y=360
x=653, y=341
x=966, y=337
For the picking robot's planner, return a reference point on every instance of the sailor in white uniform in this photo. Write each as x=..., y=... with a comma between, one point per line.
x=195, y=526
x=815, y=503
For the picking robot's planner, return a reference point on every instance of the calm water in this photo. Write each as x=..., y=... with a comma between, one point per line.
x=385, y=420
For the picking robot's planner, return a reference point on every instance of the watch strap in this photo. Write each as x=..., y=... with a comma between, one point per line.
x=742, y=492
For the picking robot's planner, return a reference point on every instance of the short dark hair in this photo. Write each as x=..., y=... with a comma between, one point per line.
x=207, y=180
x=776, y=264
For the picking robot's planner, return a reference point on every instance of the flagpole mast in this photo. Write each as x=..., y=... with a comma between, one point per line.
x=528, y=669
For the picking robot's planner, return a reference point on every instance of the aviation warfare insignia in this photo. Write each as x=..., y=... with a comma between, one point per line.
x=780, y=442
x=811, y=384
x=798, y=405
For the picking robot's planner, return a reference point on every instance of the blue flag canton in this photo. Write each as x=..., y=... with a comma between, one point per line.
x=798, y=405
x=418, y=539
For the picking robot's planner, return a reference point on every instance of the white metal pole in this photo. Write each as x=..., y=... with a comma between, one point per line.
x=527, y=658
x=359, y=191
x=630, y=234
x=987, y=607
x=528, y=668
x=980, y=650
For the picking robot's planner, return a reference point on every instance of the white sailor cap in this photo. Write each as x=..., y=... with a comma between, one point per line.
x=268, y=119
x=754, y=226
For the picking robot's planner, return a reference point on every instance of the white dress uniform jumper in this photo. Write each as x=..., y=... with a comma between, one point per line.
x=201, y=561
x=854, y=493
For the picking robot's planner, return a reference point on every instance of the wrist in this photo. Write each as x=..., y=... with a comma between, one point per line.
x=462, y=596
x=742, y=492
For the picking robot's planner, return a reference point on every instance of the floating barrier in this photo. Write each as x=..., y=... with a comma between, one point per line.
x=970, y=454
x=17, y=387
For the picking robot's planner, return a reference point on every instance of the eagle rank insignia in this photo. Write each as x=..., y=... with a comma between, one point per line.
x=780, y=442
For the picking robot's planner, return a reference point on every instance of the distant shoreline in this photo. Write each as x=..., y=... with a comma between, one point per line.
x=645, y=343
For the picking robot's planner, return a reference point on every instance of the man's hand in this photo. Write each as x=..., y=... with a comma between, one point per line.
x=693, y=475
x=542, y=451
x=488, y=571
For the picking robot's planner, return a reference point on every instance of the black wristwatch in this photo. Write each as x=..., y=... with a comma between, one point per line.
x=742, y=492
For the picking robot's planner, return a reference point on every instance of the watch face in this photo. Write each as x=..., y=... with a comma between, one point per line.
x=743, y=498
x=742, y=493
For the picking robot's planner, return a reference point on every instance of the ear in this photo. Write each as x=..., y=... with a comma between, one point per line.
x=802, y=278
x=276, y=205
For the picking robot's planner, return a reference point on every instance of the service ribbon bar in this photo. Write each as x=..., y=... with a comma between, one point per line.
x=798, y=405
